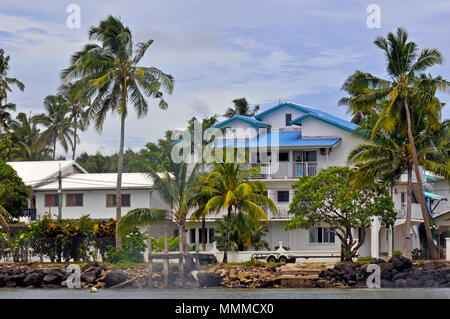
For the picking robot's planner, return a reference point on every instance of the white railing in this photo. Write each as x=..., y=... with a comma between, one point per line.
x=305, y=169
x=283, y=214
x=284, y=170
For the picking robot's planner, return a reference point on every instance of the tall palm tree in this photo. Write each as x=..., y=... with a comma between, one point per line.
x=5, y=81
x=3, y=213
x=230, y=188
x=387, y=156
x=241, y=107
x=109, y=73
x=57, y=123
x=404, y=66
x=79, y=115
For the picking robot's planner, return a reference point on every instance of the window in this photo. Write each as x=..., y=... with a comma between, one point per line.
x=111, y=200
x=321, y=235
x=51, y=200
x=74, y=200
x=402, y=202
x=209, y=235
x=283, y=156
x=288, y=119
x=283, y=196
x=305, y=156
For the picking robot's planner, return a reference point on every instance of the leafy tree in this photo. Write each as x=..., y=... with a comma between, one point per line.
x=245, y=233
x=407, y=89
x=329, y=198
x=15, y=194
x=5, y=81
x=230, y=188
x=241, y=107
x=109, y=73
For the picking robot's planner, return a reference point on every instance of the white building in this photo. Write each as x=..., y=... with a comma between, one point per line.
x=309, y=140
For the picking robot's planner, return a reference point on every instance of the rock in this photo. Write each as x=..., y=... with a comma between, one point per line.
x=54, y=272
x=90, y=265
x=360, y=285
x=89, y=277
x=3, y=280
x=386, y=284
x=51, y=286
x=431, y=284
x=401, y=283
x=401, y=263
x=400, y=275
x=33, y=279
x=414, y=283
x=18, y=278
x=377, y=261
x=114, y=277
x=239, y=286
x=206, y=279
x=51, y=280
x=11, y=284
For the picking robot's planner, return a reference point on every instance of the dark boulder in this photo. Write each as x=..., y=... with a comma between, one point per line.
x=401, y=283
x=18, y=278
x=90, y=265
x=114, y=277
x=401, y=263
x=89, y=276
x=3, y=280
x=386, y=284
x=206, y=279
x=33, y=279
x=51, y=279
x=400, y=275
x=431, y=284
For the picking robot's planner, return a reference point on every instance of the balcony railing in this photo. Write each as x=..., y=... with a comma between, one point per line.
x=283, y=170
x=283, y=214
x=31, y=212
x=305, y=169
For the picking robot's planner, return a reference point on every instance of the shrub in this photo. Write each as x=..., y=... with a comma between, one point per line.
x=132, y=251
x=15, y=195
x=104, y=236
x=172, y=243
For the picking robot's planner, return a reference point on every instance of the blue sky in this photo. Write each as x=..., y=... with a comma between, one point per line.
x=267, y=51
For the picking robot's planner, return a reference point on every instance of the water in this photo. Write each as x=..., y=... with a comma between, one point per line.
x=214, y=293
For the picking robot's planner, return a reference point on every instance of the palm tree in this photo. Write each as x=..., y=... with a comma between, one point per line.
x=26, y=145
x=79, y=116
x=3, y=213
x=109, y=73
x=5, y=81
x=241, y=107
x=404, y=65
x=57, y=123
x=230, y=187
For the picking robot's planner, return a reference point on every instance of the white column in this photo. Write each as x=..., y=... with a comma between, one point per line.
x=447, y=255
x=291, y=164
x=389, y=241
x=374, y=238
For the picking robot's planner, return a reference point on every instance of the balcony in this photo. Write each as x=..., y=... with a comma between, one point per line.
x=283, y=214
x=286, y=170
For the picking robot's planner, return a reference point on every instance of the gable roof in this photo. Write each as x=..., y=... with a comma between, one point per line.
x=311, y=112
x=34, y=173
x=247, y=119
x=100, y=181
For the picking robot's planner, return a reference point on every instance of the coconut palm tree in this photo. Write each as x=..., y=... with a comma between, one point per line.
x=241, y=107
x=404, y=66
x=5, y=81
x=57, y=123
x=79, y=116
x=3, y=213
x=230, y=188
x=109, y=73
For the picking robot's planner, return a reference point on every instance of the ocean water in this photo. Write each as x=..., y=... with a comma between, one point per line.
x=222, y=293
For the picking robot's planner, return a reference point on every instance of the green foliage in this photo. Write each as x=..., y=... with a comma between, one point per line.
x=396, y=253
x=245, y=233
x=132, y=250
x=104, y=236
x=14, y=194
x=172, y=242
x=330, y=199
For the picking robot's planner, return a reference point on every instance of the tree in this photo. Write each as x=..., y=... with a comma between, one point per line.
x=386, y=157
x=244, y=233
x=14, y=193
x=109, y=73
x=5, y=81
x=407, y=90
x=57, y=123
x=79, y=116
x=329, y=198
x=241, y=107
x=230, y=188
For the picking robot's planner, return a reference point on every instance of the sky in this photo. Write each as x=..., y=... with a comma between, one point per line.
x=267, y=51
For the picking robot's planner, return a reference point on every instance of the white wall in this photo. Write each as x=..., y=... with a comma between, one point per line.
x=94, y=203
x=278, y=118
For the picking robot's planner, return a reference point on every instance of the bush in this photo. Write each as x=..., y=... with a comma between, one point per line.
x=104, y=236
x=15, y=195
x=132, y=251
x=172, y=243
x=396, y=253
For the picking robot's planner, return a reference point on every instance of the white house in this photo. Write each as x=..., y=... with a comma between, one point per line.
x=307, y=140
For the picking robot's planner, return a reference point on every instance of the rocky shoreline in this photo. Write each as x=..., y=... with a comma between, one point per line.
x=398, y=272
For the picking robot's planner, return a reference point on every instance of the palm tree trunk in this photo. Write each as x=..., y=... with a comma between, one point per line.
x=407, y=230
x=203, y=233
x=425, y=215
x=227, y=237
x=54, y=148
x=119, y=180
x=75, y=126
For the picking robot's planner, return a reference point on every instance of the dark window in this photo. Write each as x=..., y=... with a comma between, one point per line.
x=211, y=235
x=305, y=156
x=192, y=237
x=111, y=200
x=283, y=157
x=288, y=119
x=321, y=235
x=74, y=200
x=51, y=200
x=283, y=196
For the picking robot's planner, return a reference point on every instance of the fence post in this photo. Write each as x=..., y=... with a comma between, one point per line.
x=150, y=261
x=166, y=259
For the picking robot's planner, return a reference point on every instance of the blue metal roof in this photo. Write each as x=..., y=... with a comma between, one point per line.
x=248, y=119
x=434, y=196
x=283, y=138
x=311, y=112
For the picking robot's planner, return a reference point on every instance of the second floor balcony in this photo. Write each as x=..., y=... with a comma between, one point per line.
x=287, y=170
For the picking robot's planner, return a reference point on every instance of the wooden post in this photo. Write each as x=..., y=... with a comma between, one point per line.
x=150, y=261
x=166, y=260
x=181, y=260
